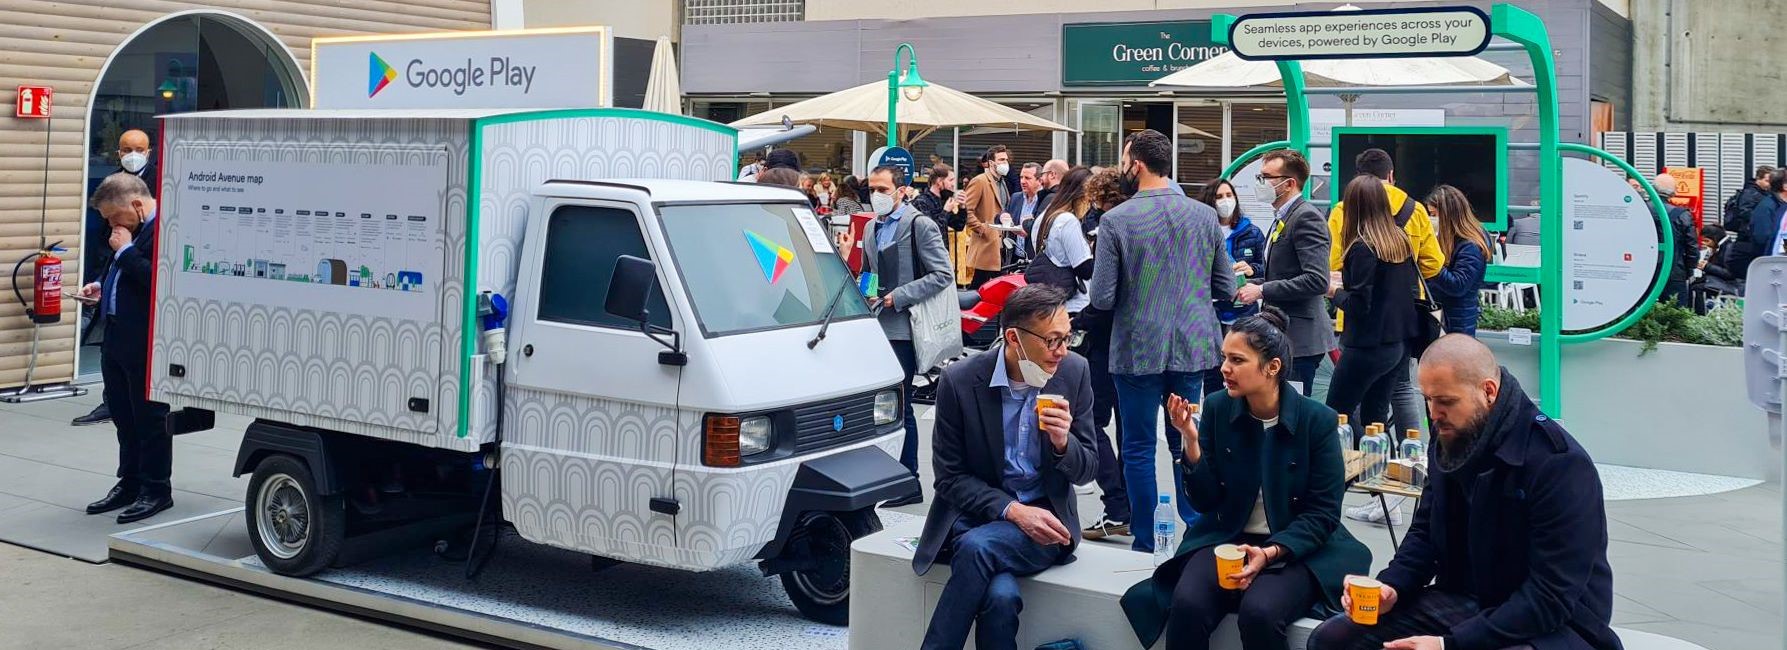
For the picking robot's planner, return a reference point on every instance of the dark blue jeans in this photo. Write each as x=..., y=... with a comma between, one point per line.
x=1139, y=402
x=985, y=564
x=908, y=357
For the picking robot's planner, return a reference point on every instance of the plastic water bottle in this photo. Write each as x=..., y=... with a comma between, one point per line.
x=1413, y=448
x=1376, y=446
x=1164, y=538
x=1345, y=432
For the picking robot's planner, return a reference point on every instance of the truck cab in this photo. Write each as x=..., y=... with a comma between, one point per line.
x=669, y=398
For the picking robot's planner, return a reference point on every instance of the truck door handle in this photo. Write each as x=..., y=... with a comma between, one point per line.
x=527, y=350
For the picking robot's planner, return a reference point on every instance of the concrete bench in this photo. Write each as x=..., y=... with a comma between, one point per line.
x=890, y=606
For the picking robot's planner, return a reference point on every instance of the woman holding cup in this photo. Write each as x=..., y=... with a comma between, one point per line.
x=1262, y=464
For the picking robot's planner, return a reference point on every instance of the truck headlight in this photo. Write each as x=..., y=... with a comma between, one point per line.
x=887, y=407
x=753, y=436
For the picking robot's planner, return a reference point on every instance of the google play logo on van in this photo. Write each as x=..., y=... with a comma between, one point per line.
x=771, y=257
x=378, y=74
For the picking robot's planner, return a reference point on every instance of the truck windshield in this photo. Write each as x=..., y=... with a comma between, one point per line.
x=757, y=266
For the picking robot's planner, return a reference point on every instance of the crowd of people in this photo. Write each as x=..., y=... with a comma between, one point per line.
x=1139, y=301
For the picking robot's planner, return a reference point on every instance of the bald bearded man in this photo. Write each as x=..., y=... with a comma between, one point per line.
x=1509, y=545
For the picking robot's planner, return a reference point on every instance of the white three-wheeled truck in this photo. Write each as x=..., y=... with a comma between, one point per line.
x=686, y=378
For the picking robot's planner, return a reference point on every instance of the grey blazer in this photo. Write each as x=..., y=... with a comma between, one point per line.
x=968, y=452
x=910, y=287
x=1296, y=278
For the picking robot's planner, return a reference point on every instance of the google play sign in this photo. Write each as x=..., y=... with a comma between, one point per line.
x=548, y=68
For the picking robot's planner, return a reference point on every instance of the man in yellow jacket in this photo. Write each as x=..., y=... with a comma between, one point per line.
x=1406, y=405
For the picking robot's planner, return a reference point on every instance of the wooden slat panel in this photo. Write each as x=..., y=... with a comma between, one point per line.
x=63, y=44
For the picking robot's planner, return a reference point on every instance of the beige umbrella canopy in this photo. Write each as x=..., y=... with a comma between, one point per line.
x=864, y=108
x=663, y=91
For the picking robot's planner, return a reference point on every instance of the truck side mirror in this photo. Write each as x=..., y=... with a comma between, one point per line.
x=630, y=288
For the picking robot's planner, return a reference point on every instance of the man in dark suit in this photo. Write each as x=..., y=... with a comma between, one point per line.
x=145, y=451
x=1005, y=471
x=1296, y=277
x=136, y=157
x=1509, y=545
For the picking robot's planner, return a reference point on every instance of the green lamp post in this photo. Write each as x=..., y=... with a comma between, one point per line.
x=912, y=86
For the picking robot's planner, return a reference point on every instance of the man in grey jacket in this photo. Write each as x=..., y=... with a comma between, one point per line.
x=904, y=249
x=1296, y=277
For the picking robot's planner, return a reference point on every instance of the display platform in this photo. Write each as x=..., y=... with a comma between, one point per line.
x=528, y=596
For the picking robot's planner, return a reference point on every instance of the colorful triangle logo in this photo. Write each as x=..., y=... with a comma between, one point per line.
x=378, y=74
x=771, y=257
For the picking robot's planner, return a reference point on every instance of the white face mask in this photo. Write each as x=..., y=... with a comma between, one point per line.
x=1002, y=169
x=1267, y=192
x=1226, y=207
x=1032, y=371
x=134, y=161
x=882, y=203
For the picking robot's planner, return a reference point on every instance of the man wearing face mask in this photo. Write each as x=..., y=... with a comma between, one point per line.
x=1297, y=254
x=145, y=452
x=1006, y=467
x=986, y=199
x=134, y=155
x=910, y=264
x=1161, y=264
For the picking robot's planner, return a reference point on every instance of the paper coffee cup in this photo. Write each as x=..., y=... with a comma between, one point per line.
x=1049, y=401
x=1365, y=593
x=1230, y=559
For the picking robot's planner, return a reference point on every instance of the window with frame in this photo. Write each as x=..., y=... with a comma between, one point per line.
x=583, y=242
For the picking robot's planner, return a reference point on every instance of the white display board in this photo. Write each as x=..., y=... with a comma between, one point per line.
x=550, y=68
x=360, y=233
x=1611, y=243
x=1376, y=33
x=1323, y=120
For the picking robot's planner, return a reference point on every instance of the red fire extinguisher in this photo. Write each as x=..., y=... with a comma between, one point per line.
x=46, y=294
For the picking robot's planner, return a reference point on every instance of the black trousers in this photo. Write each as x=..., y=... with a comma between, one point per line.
x=908, y=356
x=1303, y=370
x=1113, y=490
x=145, y=450
x=1428, y=612
x=1263, y=612
x=1364, y=379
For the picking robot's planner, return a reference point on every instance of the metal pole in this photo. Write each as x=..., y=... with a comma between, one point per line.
x=893, y=100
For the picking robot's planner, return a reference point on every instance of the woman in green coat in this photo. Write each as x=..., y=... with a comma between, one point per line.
x=1262, y=464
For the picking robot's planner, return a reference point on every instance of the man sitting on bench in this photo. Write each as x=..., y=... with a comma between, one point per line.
x=1005, y=470
x=1511, y=534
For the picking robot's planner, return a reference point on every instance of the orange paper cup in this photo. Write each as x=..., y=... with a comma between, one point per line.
x=1230, y=559
x=1365, y=593
x=1049, y=401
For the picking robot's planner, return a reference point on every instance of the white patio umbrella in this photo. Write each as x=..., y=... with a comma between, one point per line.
x=664, y=91
x=864, y=108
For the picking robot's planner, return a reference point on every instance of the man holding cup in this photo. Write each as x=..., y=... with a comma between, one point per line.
x=1013, y=436
x=1508, y=548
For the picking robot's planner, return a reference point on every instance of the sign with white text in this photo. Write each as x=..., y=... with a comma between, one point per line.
x=547, y=68
x=1368, y=34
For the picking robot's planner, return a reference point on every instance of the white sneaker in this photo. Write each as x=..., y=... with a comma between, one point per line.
x=1372, y=513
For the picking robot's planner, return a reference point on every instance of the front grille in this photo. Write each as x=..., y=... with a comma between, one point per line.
x=814, y=427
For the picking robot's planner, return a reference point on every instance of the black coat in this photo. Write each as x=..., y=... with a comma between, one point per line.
x=1536, y=537
x=1296, y=277
x=968, y=451
x=127, y=330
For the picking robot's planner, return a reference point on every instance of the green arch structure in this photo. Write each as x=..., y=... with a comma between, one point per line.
x=1528, y=31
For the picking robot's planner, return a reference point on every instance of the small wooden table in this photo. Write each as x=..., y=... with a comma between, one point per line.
x=1381, y=487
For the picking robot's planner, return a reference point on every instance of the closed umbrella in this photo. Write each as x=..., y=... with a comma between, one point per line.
x=663, y=91
x=864, y=108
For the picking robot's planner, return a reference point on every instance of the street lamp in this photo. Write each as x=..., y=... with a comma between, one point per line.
x=912, y=86
x=167, y=89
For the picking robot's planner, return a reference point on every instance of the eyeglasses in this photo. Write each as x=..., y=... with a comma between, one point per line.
x=1053, y=344
x=1264, y=178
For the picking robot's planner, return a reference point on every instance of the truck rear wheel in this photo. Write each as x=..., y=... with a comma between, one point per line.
x=295, y=530
x=821, y=588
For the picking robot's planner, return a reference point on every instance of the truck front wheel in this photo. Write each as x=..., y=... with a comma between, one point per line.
x=295, y=530
x=820, y=588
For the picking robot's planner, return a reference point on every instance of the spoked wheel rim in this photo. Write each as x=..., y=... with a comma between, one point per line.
x=828, y=582
x=282, y=514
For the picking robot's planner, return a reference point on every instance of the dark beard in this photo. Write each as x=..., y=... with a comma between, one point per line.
x=1454, y=452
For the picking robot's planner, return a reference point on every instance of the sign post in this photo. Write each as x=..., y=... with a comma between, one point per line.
x=33, y=102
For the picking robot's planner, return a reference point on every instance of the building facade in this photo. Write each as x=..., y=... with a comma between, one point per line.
x=114, y=66
x=1089, y=70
